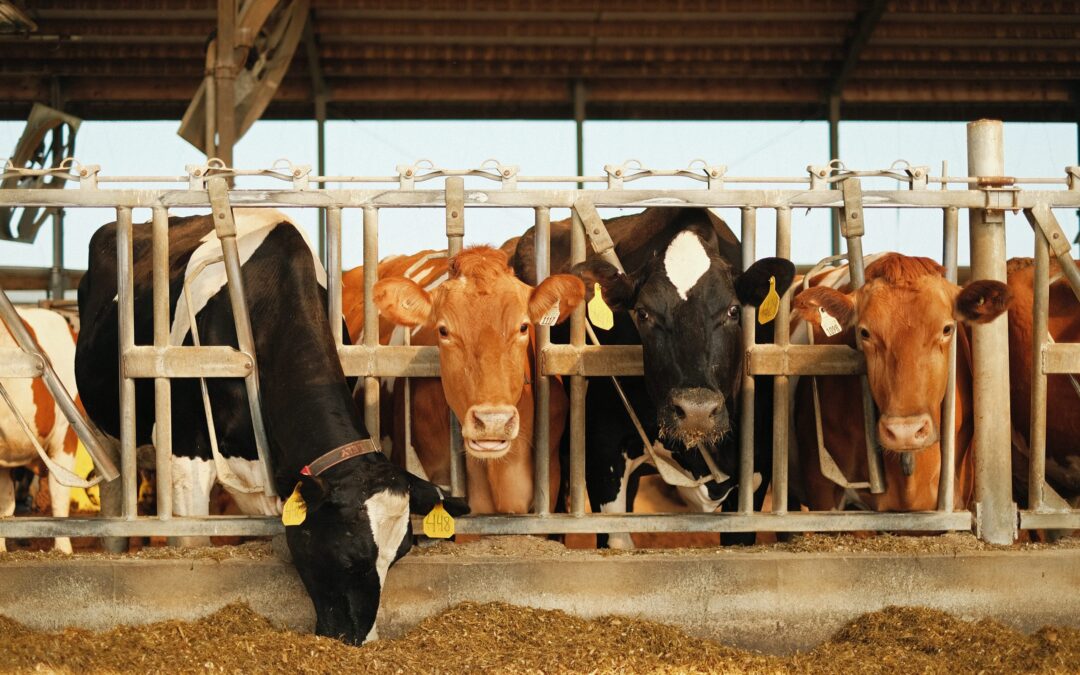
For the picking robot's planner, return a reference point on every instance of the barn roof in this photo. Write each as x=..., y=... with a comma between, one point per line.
x=664, y=59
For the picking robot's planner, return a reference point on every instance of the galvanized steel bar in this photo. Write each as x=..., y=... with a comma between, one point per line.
x=457, y=458
x=746, y=421
x=577, y=383
x=371, y=316
x=162, y=386
x=455, y=236
x=225, y=227
x=126, y=316
x=781, y=383
x=1039, y=319
x=542, y=386
x=947, y=475
x=333, y=272
x=852, y=227
x=995, y=511
x=1042, y=219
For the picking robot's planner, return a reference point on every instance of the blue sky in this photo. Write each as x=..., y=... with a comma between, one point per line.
x=547, y=147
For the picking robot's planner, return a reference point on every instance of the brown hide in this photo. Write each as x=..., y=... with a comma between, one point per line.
x=503, y=485
x=1063, y=402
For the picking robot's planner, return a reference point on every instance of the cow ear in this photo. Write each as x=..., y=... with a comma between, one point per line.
x=982, y=301
x=808, y=303
x=618, y=289
x=315, y=491
x=564, y=289
x=402, y=301
x=752, y=286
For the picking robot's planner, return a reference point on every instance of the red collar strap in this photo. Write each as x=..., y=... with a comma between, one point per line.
x=365, y=446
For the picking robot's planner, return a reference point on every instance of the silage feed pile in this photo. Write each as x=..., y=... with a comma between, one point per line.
x=503, y=638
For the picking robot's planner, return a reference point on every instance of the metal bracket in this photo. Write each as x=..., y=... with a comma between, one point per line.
x=819, y=176
x=597, y=232
x=977, y=521
x=455, y=207
x=507, y=173
x=851, y=216
x=918, y=176
x=88, y=174
x=1043, y=220
x=1072, y=173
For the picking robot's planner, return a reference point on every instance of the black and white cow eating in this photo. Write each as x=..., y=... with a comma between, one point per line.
x=686, y=295
x=358, y=503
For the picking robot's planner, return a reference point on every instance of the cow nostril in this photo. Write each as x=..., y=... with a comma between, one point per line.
x=679, y=412
x=478, y=422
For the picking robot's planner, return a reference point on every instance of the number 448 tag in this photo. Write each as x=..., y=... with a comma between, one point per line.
x=439, y=524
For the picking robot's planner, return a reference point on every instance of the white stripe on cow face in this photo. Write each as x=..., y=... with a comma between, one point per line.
x=388, y=516
x=685, y=262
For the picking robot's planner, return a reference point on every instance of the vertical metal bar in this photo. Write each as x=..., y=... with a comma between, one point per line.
x=577, y=383
x=579, y=127
x=834, y=153
x=947, y=476
x=746, y=429
x=126, y=301
x=995, y=513
x=162, y=385
x=781, y=383
x=332, y=216
x=56, y=274
x=210, y=130
x=320, y=125
x=224, y=81
x=371, y=316
x=455, y=236
x=1039, y=320
x=542, y=388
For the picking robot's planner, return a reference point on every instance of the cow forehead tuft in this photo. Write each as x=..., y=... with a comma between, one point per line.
x=685, y=262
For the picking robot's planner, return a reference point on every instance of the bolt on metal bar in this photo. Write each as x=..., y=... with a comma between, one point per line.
x=996, y=519
x=947, y=475
x=126, y=301
x=162, y=386
x=746, y=422
x=225, y=227
x=542, y=387
x=1039, y=320
x=578, y=383
x=781, y=383
x=371, y=317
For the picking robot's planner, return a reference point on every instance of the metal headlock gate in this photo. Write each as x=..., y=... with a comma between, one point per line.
x=987, y=194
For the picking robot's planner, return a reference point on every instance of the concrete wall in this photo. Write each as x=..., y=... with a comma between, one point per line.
x=770, y=601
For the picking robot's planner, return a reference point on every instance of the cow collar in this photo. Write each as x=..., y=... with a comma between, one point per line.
x=364, y=446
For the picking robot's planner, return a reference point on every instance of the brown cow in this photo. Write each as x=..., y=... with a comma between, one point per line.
x=1063, y=401
x=480, y=316
x=905, y=317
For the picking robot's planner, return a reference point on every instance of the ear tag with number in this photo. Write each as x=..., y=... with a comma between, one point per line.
x=828, y=324
x=294, y=510
x=439, y=524
x=599, y=313
x=770, y=305
x=551, y=317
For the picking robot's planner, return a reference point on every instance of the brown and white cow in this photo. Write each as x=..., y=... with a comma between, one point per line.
x=1063, y=399
x=905, y=318
x=481, y=318
x=33, y=400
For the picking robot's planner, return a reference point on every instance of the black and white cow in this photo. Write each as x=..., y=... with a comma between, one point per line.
x=685, y=292
x=358, y=510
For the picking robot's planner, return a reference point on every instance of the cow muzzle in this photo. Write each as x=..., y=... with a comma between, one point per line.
x=694, y=416
x=488, y=430
x=906, y=434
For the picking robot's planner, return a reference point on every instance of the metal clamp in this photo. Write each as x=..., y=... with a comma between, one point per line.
x=507, y=173
x=851, y=215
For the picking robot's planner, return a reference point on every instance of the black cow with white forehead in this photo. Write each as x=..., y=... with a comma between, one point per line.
x=683, y=289
x=358, y=503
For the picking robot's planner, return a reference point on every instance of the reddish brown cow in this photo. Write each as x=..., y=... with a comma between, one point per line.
x=905, y=317
x=1063, y=401
x=480, y=316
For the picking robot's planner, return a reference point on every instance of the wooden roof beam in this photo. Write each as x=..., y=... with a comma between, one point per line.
x=866, y=23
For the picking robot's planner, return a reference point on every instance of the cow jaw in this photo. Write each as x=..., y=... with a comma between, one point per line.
x=488, y=430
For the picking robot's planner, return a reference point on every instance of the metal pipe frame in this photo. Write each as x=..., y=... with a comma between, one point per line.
x=162, y=386
x=746, y=411
x=542, y=386
x=371, y=315
x=781, y=383
x=947, y=475
x=371, y=360
x=1039, y=320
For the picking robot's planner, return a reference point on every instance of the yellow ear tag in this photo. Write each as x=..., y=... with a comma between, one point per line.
x=439, y=524
x=599, y=313
x=767, y=309
x=294, y=511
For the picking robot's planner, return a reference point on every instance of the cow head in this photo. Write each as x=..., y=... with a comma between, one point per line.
x=904, y=319
x=687, y=304
x=482, y=316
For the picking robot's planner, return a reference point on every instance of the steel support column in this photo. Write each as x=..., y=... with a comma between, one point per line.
x=225, y=81
x=579, y=126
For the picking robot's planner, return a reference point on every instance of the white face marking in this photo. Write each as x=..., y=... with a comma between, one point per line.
x=388, y=515
x=685, y=262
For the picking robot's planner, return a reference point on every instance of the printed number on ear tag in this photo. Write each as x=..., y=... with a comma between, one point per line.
x=439, y=524
x=828, y=324
x=770, y=305
x=551, y=317
x=599, y=313
x=294, y=510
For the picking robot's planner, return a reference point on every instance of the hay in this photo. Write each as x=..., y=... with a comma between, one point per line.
x=502, y=638
x=253, y=550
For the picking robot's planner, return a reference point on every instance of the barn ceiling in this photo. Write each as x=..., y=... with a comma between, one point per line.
x=662, y=59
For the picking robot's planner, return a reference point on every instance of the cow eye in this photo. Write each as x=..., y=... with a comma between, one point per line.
x=444, y=332
x=524, y=328
x=642, y=314
x=947, y=330
x=864, y=333
x=733, y=312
